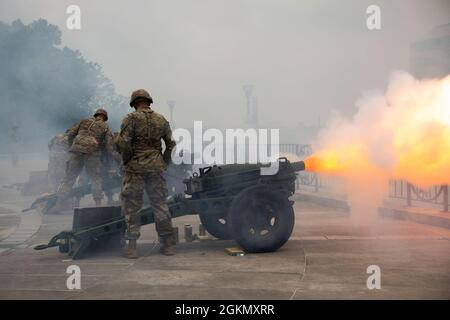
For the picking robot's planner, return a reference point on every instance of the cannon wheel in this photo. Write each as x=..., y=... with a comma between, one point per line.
x=261, y=220
x=216, y=225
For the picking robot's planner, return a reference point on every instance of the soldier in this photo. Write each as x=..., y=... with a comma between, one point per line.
x=110, y=168
x=58, y=154
x=139, y=143
x=87, y=140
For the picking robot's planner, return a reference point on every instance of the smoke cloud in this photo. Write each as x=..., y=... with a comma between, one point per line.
x=403, y=133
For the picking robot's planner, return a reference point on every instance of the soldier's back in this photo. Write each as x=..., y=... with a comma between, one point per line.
x=91, y=136
x=149, y=124
x=59, y=143
x=92, y=127
x=149, y=127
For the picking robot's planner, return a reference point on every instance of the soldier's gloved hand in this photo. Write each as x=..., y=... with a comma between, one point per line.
x=167, y=156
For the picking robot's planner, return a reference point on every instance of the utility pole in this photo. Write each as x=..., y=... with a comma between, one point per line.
x=171, y=104
x=248, y=90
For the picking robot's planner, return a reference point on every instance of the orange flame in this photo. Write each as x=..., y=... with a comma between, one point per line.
x=404, y=134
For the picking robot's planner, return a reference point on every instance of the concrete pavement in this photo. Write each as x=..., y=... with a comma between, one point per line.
x=326, y=258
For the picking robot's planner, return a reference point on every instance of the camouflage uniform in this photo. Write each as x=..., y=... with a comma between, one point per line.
x=88, y=139
x=58, y=154
x=108, y=168
x=139, y=143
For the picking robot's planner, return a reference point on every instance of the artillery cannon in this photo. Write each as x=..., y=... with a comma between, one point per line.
x=233, y=201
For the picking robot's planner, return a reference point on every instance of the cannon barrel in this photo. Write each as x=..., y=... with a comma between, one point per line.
x=298, y=165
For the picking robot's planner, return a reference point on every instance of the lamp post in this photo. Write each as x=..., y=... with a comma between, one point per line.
x=171, y=104
x=248, y=89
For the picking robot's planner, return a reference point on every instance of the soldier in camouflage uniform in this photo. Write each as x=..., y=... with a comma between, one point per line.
x=110, y=167
x=139, y=143
x=87, y=140
x=58, y=154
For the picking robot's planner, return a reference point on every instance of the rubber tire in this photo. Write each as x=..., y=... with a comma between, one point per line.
x=215, y=227
x=238, y=217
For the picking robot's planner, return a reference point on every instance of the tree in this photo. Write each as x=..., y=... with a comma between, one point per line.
x=45, y=88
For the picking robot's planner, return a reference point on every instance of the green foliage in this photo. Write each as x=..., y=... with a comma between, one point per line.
x=46, y=88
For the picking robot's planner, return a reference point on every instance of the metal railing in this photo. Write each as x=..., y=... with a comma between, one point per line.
x=436, y=195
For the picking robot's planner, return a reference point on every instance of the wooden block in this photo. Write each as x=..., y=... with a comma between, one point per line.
x=201, y=230
x=188, y=236
x=203, y=238
x=236, y=252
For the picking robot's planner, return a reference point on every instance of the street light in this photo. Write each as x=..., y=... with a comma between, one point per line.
x=248, y=89
x=171, y=104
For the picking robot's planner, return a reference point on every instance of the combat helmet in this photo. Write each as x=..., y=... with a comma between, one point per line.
x=101, y=111
x=140, y=94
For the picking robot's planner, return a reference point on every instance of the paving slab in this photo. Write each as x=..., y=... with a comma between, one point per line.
x=326, y=258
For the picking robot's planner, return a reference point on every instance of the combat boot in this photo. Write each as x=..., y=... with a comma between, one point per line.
x=167, y=246
x=131, y=251
x=98, y=202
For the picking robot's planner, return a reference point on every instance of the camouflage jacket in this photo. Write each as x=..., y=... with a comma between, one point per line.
x=89, y=136
x=59, y=145
x=139, y=141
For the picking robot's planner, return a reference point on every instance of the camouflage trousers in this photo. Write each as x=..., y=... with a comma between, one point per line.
x=75, y=164
x=133, y=188
x=56, y=171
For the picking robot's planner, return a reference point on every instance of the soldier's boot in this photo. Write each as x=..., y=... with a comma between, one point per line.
x=167, y=247
x=98, y=202
x=131, y=250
